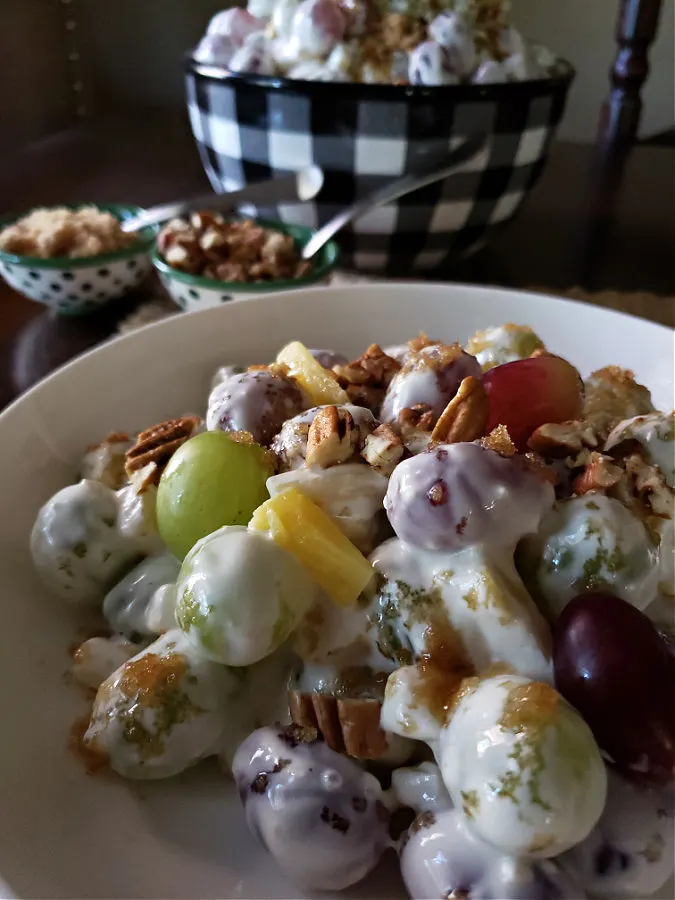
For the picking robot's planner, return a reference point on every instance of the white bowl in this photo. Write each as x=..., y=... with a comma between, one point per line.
x=64, y=833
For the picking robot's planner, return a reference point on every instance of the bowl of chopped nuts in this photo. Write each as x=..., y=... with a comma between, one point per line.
x=208, y=259
x=74, y=258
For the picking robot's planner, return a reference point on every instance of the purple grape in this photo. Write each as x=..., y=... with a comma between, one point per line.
x=430, y=376
x=329, y=358
x=456, y=495
x=612, y=664
x=317, y=812
x=257, y=401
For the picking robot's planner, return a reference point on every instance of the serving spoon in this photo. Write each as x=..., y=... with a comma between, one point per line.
x=395, y=189
x=297, y=186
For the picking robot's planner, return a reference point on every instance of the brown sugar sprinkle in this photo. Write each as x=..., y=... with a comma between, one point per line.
x=420, y=342
x=442, y=668
x=530, y=707
x=150, y=676
x=500, y=441
x=92, y=756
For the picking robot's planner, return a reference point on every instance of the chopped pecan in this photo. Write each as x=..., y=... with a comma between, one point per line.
x=420, y=416
x=466, y=415
x=643, y=489
x=333, y=437
x=159, y=443
x=500, y=441
x=365, y=395
x=349, y=726
x=557, y=441
x=383, y=449
x=599, y=475
x=373, y=368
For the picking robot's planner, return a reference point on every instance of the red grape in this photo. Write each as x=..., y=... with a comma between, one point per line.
x=528, y=393
x=613, y=666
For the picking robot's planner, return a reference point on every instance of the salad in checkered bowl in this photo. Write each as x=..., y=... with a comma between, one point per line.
x=416, y=601
x=420, y=42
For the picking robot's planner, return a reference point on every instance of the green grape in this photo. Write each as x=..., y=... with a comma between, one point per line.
x=209, y=482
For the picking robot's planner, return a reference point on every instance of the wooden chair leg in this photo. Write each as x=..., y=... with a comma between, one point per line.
x=637, y=27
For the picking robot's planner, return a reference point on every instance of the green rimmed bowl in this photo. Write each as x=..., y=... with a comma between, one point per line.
x=192, y=292
x=84, y=284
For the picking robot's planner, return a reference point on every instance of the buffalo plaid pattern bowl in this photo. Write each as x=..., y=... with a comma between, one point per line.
x=252, y=127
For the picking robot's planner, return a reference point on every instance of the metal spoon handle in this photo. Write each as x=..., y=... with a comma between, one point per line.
x=297, y=186
x=394, y=190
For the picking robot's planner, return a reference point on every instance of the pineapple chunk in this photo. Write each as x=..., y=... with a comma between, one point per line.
x=319, y=383
x=305, y=530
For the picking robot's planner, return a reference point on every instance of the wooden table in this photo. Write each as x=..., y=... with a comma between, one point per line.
x=154, y=159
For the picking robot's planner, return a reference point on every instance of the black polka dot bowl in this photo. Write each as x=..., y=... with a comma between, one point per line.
x=193, y=292
x=249, y=127
x=81, y=285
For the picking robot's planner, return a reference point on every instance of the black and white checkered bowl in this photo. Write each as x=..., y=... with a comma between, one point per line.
x=252, y=127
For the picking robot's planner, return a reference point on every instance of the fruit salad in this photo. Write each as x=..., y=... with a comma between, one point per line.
x=375, y=42
x=419, y=603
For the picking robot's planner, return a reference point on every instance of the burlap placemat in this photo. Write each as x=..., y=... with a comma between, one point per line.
x=657, y=308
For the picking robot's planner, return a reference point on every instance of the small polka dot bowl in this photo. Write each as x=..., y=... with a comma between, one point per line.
x=194, y=292
x=84, y=284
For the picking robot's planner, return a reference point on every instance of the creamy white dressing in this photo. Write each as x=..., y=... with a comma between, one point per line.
x=148, y=727
x=591, y=542
x=630, y=852
x=656, y=433
x=529, y=790
x=76, y=545
x=126, y=605
x=97, y=658
x=317, y=812
x=352, y=494
x=442, y=856
x=479, y=594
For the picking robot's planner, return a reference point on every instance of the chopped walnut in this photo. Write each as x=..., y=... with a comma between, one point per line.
x=420, y=416
x=383, y=450
x=333, y=437
x=373, y=368
x=599, y=475
x=558, y=441
x=366, y=379
x=643, y=489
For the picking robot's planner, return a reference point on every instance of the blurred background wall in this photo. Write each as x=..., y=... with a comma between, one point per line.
x=130, y=58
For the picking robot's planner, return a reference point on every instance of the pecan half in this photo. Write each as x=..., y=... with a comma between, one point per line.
x=599, y=475
x=333, y=437
x=383, y=449
x=159, y=443
x=465, y=417
x=349, y=726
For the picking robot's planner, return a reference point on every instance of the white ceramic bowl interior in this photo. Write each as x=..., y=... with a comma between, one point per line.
x=65, y=834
